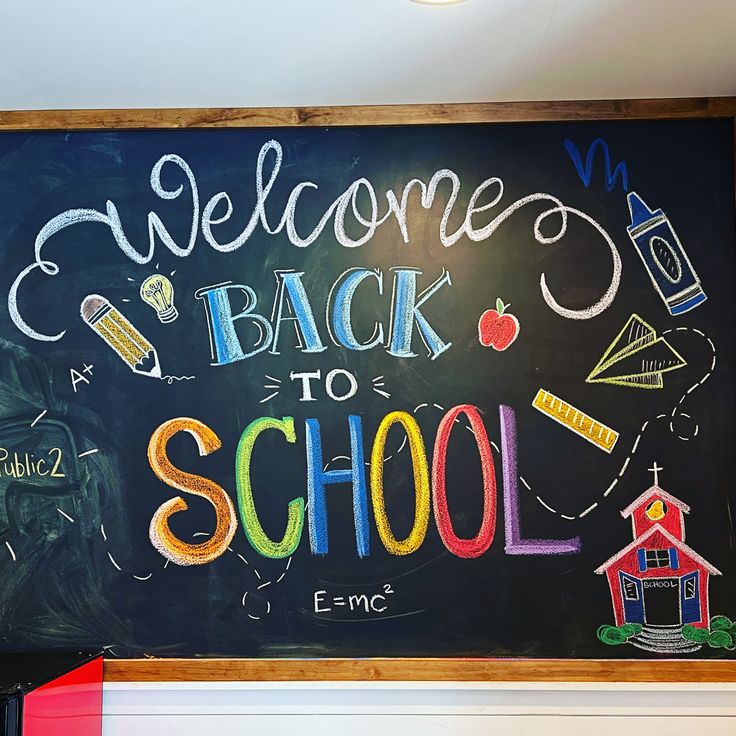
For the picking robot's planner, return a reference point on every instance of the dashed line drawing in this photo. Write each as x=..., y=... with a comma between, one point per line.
x=112, y=559
x=65, y=515
x=143, y=578
x=39, y=417
x=676, y=412
x=88, y=452
x=588, y=510
x=262, y=585
x=549, y=508
x=335, y=459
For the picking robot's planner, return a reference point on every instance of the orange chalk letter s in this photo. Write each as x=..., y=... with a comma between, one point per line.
x=162, y=538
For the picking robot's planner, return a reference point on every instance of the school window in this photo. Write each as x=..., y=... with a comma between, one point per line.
x=690, y=588
x=631, y=592
x=657, y=558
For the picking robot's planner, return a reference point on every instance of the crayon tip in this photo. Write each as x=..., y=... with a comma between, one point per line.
x=638, y=209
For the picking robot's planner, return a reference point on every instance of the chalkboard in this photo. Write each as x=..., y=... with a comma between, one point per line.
x=400, y=391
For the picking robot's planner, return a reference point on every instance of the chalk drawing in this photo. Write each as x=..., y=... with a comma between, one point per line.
x=585, y=171
x=636, y=358
x=120, y=335
x=377, y=386
x=160, y=533
x=113, y=561
x=498, y=328
x=664, y=258
x=65, y=515
x=670, y=418
x=110, y=218
x=397, y=206
x=158, y=292
x=274, y=385
x=39, y=417
x=575, y=420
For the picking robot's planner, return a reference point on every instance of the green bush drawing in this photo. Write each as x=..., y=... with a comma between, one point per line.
x=614, y=635
x=721, y=623
x=720, y=635
x=693, y=633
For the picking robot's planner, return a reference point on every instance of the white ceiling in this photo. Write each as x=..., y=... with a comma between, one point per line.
x=192, y=53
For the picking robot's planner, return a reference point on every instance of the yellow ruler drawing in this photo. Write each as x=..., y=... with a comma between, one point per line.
x=575, y=420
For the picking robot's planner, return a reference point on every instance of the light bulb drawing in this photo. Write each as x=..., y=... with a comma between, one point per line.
x=158, y=293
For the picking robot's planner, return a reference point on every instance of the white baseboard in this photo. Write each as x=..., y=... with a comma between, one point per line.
x=418, y=709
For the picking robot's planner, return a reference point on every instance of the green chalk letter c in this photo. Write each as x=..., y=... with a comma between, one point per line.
x=258, y=539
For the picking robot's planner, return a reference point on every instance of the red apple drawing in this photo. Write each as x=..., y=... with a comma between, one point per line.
x=497, y=328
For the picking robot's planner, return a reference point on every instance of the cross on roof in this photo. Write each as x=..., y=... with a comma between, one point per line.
x=655, y=469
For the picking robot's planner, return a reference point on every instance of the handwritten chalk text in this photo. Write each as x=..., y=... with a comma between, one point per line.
x=220, y=208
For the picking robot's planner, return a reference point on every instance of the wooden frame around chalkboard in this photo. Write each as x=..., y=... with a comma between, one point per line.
x=450, y=669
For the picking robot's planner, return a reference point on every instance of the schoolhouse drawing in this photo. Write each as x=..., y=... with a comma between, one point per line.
x=657, y=580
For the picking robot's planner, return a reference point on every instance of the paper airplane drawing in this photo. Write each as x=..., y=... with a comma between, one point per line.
x=636, y=358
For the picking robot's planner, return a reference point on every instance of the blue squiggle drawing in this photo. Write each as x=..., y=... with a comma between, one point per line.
x=585, y=172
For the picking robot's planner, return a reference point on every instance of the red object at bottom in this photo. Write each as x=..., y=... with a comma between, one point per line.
x=70, y=705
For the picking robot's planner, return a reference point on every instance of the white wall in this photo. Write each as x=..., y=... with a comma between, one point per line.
x=221, y=53
x=418, y=709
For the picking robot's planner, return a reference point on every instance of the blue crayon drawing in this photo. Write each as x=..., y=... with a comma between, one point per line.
x=664, y=258
x=585, y=172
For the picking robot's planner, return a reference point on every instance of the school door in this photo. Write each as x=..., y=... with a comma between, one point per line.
x=633, y=599
x=690, y=598
x=662, y=601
